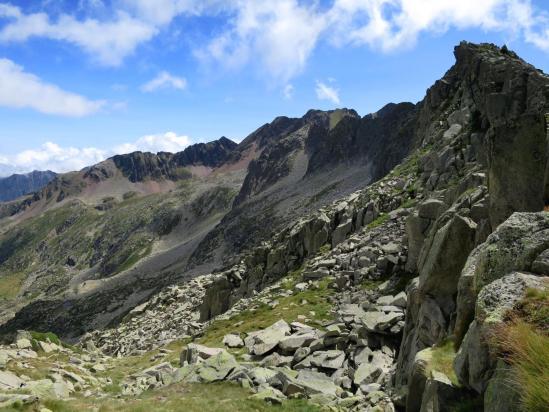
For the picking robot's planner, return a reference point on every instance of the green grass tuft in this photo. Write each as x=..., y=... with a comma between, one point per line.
x=10, y=285
x=443, y=360
x=523, y=341
x=381, y=219
x=45, y=337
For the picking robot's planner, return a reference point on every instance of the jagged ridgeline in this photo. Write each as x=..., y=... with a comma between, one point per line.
x=396, y=261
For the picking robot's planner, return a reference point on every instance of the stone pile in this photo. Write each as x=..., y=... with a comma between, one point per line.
x=67, y=372
x=347, y=362
x=169, y=315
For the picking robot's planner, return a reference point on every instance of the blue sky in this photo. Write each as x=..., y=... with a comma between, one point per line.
x=82, y=80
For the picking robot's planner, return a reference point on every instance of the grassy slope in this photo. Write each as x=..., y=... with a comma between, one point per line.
x=216, y=397
x=113, y=240
x=312, y=303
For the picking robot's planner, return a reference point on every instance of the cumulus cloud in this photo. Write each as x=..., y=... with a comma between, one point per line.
x=160, y=12
x=54, y=157
x=278, y=36
x=109, y=42
x=164, y=80
x=51, y=156
x=281, y=34
x=325, y=92
x=391, y=24
x=167, y=142
x=20, y=89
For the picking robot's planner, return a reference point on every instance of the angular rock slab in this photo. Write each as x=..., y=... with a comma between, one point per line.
x=261, y=342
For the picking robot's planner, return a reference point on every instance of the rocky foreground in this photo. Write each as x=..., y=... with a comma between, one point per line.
x=425, y=291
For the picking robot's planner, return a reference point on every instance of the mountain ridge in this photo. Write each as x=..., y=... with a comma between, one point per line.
x=17, y=185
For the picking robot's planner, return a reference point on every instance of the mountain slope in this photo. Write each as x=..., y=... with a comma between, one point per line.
x=296, y=166
x=386, y=259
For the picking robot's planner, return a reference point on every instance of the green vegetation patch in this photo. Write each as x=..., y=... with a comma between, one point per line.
x=10, y=285
x=523, y=342
x=46, y=337
x=527, y=350
x=443, y=360
x=214, y=397
x=381, y=219
x=534, y=309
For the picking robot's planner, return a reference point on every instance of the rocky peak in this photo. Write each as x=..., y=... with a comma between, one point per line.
x=138, y=166
x=211, y=154
x=506, y=99
x=383, y=138
x=269, y=132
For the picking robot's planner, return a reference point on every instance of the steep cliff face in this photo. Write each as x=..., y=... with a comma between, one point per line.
x=17, y=185
x=387, y=136
x=488, y=161
x=506, y=100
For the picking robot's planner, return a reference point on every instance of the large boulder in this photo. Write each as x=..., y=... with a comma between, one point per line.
x=316, y=383
x=262, y=342
x=290, y=344
x=215, y=368
x=233, y=340
x=419, y=373
x=416, y=232
x=410, y=343
x=46, y=388
x=439, y=394
x=330, y=359
x=9, y=381
x=367, y=373
x=518, y=244
x=194, y=352
x=443, y=259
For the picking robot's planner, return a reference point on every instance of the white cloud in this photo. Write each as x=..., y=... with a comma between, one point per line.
x=277, y=36
x=167, y=142
x=281, y=35
x=54, y=157
x=288, y=91
x=51, y=156
x=325, y=92
x=20, y=89
x=391, y=24
x=162, y=12
x=7, y=10
x=164, y=80
x=109, y=42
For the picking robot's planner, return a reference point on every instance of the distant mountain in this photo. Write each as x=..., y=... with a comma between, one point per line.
x=17, y=185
